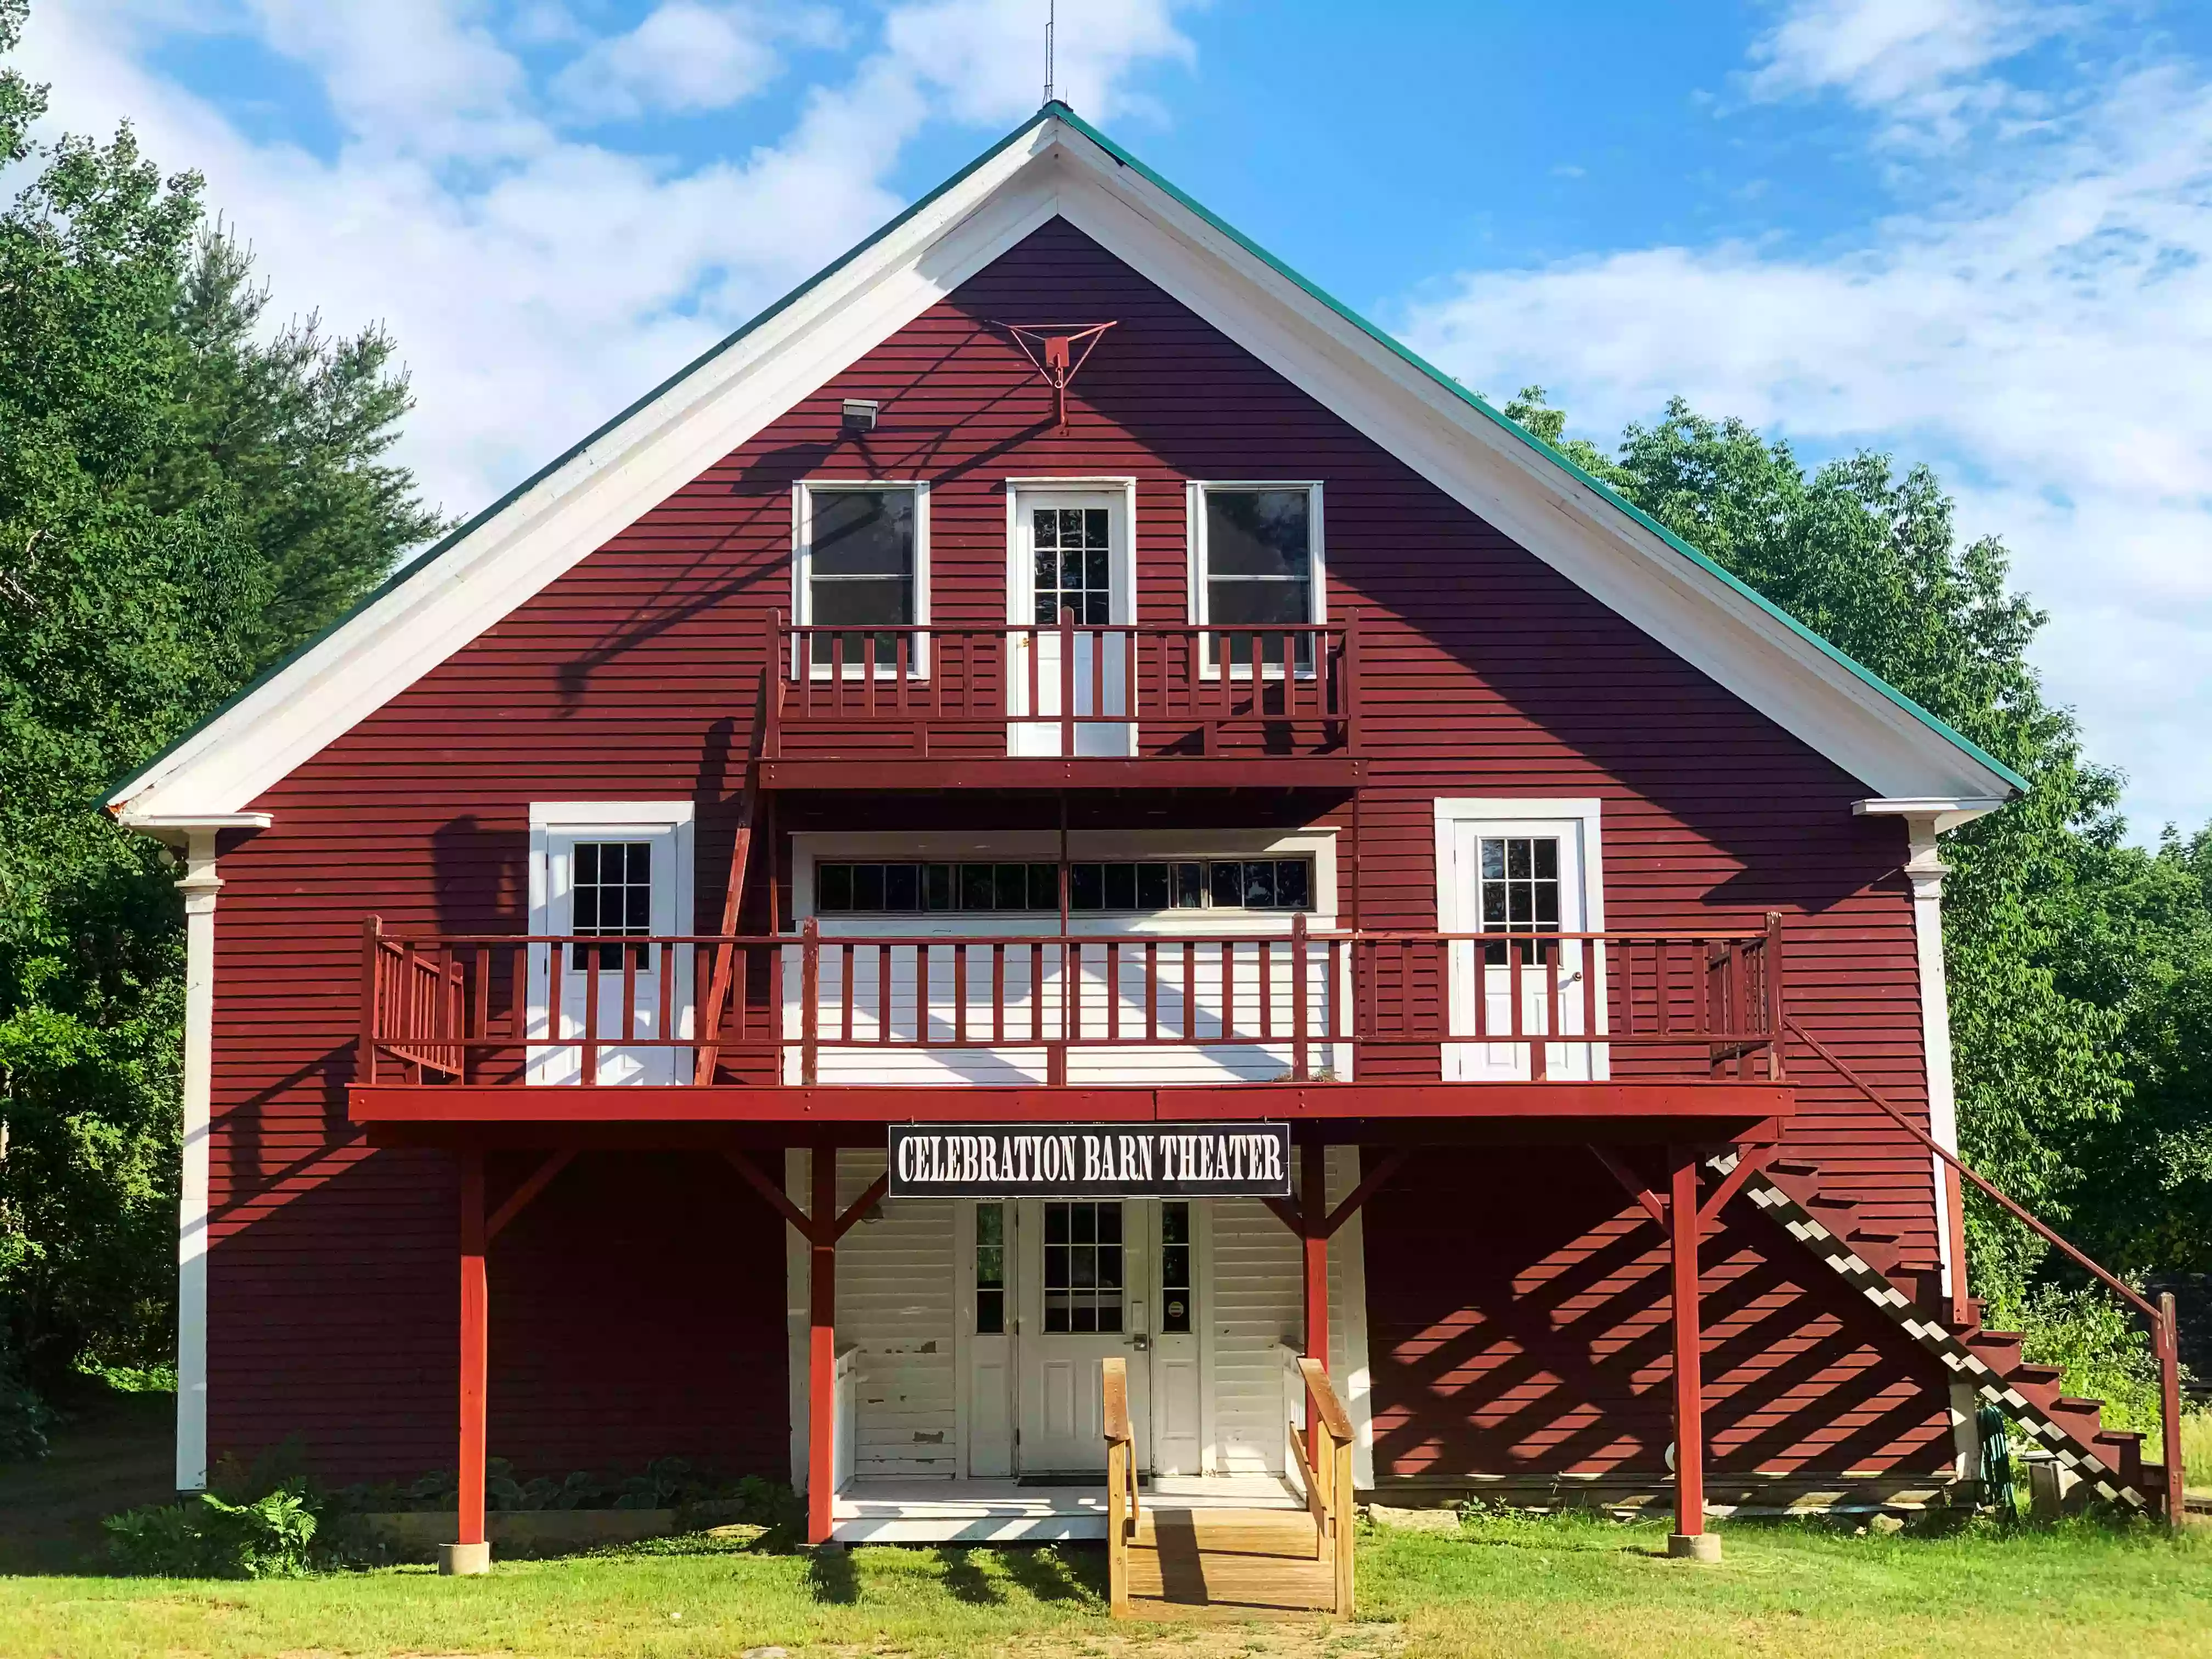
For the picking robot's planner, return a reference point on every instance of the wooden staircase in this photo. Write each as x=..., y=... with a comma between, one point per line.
x=1909, y=1293
x=1236, y=1564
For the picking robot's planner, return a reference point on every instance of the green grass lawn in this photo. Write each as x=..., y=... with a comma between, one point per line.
x=1572, y=1587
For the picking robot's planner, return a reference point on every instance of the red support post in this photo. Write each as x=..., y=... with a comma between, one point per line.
x=1313, y=1243
x=822, y=1346
x=471, y=1551
x=1690, y=1538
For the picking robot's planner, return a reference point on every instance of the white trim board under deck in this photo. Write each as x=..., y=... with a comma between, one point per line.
x=896, y=1510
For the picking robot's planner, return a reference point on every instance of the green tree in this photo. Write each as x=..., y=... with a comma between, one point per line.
x=2081, y=979
x=183, y=498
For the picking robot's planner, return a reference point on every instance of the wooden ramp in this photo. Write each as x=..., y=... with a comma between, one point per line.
x=1236, y=1564
x=1232, y=1562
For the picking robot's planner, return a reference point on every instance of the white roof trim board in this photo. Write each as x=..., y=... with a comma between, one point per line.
x=1056, y=165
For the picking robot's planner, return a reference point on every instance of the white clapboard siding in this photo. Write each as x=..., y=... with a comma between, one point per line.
x=1256, y=1306
x=1259, y=1303
x=1184, y=1011
x=896, y=1304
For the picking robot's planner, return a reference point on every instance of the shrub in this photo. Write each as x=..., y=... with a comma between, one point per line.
x=209, y=1537
x=24, y=1419
x=666, y=1483
x=2101, y=1347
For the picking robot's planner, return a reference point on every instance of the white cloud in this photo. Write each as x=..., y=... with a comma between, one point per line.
x=1878, y=52
x=2043, y=339
x=537, y=282
x=986, y=56
x=686, y=56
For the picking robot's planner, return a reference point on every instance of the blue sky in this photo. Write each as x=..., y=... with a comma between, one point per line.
x=1976, y=232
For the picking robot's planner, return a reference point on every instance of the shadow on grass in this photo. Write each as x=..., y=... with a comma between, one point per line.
x=830, y=1577
x=964, y=1580
x=1056, y=1572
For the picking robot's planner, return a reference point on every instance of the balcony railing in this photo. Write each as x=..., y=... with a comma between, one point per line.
x=1306, y=1004
x=1065, y=690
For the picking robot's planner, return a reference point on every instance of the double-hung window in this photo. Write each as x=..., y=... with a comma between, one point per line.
x=1258, y=562
x=861, y=576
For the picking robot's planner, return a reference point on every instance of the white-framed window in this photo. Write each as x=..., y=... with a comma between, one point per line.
x=859, y=570
x=1256, y=559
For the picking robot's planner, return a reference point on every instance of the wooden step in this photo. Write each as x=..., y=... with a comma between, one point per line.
x=1230, y=1563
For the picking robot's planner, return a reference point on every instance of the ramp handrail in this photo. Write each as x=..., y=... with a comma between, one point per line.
x=1121, y=1512
x=1325, y=1471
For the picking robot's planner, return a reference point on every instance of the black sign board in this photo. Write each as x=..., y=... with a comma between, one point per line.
x=1091, y=1160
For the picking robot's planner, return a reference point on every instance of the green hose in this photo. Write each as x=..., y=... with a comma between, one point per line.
x=1997, y=1462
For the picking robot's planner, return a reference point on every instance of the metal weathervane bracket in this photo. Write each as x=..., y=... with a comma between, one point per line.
x=1057, y=351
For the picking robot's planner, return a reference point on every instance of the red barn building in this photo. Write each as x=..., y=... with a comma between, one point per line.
x=1060, y=671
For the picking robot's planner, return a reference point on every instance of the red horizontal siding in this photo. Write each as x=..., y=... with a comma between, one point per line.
x=1518, y=1322
x=631, y=677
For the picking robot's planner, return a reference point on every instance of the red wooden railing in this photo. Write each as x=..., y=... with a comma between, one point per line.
x=1161, y=689
x=474, y=1007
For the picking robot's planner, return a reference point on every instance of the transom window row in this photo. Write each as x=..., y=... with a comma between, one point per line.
x=1138, y=887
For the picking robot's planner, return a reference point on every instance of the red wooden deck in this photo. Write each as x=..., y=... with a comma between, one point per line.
x=1368, y=1114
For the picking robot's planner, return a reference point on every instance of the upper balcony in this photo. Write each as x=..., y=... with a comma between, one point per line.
x=819, y=1028
x=1044, y=706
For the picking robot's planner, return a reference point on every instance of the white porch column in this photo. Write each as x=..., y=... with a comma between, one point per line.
x=1926, y=869
x=199, y=885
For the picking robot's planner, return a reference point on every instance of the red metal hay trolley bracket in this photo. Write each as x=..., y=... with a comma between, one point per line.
x=1057, y=351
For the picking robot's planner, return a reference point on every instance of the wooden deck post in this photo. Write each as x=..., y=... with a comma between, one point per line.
x=2166, y=1339
x=822, y=1346
x=1690, y=1539
x=1313, y=1243
x=471, y=1551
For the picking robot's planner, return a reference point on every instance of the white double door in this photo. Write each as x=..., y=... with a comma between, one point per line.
x=1084, y=1285
x=1512, y=877
x=1069, y=555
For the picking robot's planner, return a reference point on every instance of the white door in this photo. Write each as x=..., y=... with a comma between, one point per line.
x=1178, y=1382
x=1082, y=1267
x=989, y=1309
x=1520, y=876
x=611, y=881
x=1070, y=554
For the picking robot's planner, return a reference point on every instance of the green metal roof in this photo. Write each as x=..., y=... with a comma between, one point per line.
x=1057, y=110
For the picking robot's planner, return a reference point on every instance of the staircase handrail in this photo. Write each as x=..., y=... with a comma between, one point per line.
x=2164, y=1335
